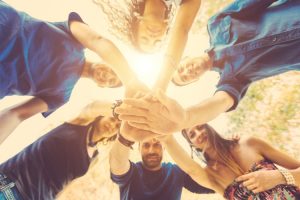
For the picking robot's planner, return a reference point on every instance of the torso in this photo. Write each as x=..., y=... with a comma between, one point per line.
x=236, y=190
x=238, y=152
x=41, y=59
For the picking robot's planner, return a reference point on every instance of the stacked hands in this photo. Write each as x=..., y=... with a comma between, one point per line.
x=147, y=114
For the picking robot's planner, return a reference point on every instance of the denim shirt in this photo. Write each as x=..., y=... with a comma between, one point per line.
x=254, y=39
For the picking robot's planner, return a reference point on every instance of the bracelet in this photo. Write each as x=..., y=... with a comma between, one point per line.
x=124, y=141
x=114, y=106
x=289, y=178
x=171, y=60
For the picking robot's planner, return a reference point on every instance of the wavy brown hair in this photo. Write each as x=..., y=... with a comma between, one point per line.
x=123, y=17
x=221, y=146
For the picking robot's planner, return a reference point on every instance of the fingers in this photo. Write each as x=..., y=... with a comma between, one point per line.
x=139, y=103
x=133, y=118
x=122, y=110
x=243, y=177
x=258, y=190
x=252, y=187
x=142, y=126
x=248, y=182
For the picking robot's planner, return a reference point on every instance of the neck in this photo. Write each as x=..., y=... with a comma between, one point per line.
x=86, y=72
x=208, y=61
x=155, y=9
x=152, y=169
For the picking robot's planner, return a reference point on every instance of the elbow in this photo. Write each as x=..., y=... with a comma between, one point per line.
x=15, y=115
x=224, y=99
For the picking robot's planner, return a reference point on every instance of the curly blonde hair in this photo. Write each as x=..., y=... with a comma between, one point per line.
x=123, y=17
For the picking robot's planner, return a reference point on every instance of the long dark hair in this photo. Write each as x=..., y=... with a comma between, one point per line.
x=93, y=126
x=123, y=19
x=221, y=146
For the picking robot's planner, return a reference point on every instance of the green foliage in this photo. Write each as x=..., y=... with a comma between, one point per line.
x=270, y=110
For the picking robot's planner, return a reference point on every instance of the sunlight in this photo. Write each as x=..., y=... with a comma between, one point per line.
x=147, y=67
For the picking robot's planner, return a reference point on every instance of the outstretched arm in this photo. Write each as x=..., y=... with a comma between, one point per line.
x=264, y=180
x=178, y=38
x=91, y=111
x=105, y=49
x=119, y=154
x=11, y=117
x=166, y=116
x=189, y=166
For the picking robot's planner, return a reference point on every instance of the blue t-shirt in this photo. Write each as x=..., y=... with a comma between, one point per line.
x=254, y=39
x=38, y=58
x=165, y=184
x=43, y=168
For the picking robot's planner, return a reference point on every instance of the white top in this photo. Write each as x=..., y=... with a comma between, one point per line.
x=169, y=2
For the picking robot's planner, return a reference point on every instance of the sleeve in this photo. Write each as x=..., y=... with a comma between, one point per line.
x=124, y=179
x=56, y=101
x=234, y=87
x=73, y=16
x=218, y=26
x=65, y=26
x=194, y=187
x=244, y=8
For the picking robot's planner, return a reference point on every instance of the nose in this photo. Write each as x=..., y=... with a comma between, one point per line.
x=151, y=149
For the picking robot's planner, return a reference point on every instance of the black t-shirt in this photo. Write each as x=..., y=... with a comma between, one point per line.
x=42, y=169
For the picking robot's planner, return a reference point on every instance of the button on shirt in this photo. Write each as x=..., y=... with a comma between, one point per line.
x=254, y=39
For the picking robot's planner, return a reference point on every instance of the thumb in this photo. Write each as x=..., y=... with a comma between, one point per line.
x=243, y=177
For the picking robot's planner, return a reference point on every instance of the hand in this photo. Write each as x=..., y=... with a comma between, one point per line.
x=134, y=134
x=135, y=88
x=262, y=180
x=159, y=114
x=191, y=69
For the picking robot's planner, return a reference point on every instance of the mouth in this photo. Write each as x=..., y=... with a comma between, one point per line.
x=201, y=140
x=152, y=158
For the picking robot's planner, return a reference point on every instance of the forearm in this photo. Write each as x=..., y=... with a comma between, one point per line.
x=179, y=36
x=187, y=164
x=91, y=111
x=119, y=158
x=8, y=122
x=208, y=109
x=114, y=58
x=171, y=60
x=104, y=48
x=296, y=175
x=13, y=116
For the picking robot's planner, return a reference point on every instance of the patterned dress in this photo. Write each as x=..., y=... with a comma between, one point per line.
x=236, y=191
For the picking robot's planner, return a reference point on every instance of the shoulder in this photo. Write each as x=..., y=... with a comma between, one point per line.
x=253, y=142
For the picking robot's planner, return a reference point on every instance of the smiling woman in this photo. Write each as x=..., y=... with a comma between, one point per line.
x=146, y=23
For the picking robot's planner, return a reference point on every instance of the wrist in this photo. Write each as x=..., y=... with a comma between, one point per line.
x=279, y=177
x=113, y=108
x=287, y=176
x=130, y=79
x=186, y=120
x=124, y=141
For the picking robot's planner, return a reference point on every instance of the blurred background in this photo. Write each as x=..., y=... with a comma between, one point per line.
x=270, y=109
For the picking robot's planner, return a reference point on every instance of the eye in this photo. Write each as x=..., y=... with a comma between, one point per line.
x=200, y=127
x=157, y=145
x=192, y=134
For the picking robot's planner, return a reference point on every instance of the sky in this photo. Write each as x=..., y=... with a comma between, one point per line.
x=146, y=66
